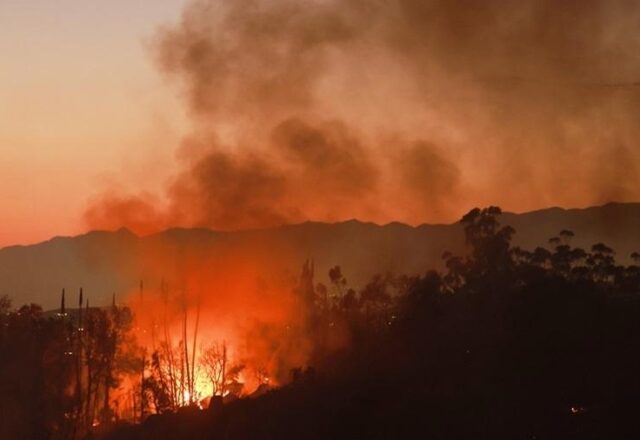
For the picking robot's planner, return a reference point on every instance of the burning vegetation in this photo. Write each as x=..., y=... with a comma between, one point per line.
x=488, y=328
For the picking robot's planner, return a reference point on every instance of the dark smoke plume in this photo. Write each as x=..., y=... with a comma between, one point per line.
x=409, y=110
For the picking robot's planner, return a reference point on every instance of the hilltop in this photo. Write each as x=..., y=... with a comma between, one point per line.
x=107, y=262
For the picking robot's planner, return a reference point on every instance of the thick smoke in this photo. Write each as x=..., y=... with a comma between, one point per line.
x=395, y=110
x=306, y=171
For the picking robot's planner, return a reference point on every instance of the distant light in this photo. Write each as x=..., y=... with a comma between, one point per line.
x=577, y=409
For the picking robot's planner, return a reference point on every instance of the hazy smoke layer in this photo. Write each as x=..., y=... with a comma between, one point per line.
x=410, y=110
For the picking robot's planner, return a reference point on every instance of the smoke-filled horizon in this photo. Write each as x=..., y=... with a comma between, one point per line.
x=402, y=110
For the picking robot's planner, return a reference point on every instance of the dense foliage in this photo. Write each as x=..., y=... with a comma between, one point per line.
x=57, y=370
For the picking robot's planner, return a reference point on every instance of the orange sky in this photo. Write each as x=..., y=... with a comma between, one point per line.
x=80, y=105
x=249, y=113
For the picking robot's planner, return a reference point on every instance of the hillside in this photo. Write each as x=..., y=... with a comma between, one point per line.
x=104, y=263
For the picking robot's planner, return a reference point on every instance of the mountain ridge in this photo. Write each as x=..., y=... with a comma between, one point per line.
x=126, y=230
x=104, y=262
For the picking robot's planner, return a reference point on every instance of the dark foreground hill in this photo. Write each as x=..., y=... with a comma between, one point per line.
x=505, y=344
x=104, y=263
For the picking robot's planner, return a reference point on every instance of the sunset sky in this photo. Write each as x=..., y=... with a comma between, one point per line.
x=80, y=104
x=252, y=113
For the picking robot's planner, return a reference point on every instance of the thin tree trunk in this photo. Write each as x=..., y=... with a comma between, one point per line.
x=89, y=382
x=170, y=360
x=181, y=374
x=224, y=367
x=79, y=351
x=142, y=394
x=169, y=349
x=193, y=350
x=186, y=348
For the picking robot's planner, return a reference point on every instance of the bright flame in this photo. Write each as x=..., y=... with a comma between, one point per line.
x=243, y=300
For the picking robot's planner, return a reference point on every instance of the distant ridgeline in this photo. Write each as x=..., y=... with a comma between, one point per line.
x=107, y=262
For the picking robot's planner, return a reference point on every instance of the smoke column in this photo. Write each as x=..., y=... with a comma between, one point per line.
x=393, y=110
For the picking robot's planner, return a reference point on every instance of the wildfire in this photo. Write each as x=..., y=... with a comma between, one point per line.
x=224, y=329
